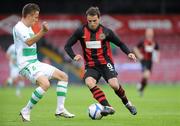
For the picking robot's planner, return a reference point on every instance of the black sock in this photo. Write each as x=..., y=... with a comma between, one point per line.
x=121, y=94
x=143, y=84
x=99, y=95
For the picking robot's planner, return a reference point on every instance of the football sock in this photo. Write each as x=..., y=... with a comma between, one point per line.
x=121, y=94
x=99, y=95
x=61, y=91
x=143, y=84
x=36, y=96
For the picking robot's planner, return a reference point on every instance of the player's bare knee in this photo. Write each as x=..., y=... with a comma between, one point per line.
x=90, y=82
x=45, y=86
x=64, y=77
x=114, y=83
x=114, y=86
x=146, y=74
x=60, y=75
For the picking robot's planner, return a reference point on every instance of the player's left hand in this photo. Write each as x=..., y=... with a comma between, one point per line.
x=45, y=27
x=132, y=56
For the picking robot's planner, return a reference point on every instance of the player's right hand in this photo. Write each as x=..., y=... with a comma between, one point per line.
x=78, y=57
x=45, y=27
x=132, y=56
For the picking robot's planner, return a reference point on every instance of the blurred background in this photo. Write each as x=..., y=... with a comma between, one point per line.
x=128, y=18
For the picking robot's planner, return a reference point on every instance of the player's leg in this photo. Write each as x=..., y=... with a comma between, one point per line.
x=113, y=82
x=43, y=85
x=9, y=81
x=61, y=91
x=35, y=75
x=18, y=84
x=146, y=72
x=17, y=81
x=120, y=92
x=144, y=81
x=91, y=77
x=110, y=75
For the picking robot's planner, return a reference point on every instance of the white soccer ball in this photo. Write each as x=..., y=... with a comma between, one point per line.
x=94, y=111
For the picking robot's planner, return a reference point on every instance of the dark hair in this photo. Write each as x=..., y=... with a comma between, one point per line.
x=92, y=11
x=29, y=8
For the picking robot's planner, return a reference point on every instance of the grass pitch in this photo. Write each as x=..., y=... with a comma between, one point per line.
x=160, y=106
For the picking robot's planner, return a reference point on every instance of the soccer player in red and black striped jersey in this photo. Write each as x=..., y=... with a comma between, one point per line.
x=95, y=41
x=144, y=52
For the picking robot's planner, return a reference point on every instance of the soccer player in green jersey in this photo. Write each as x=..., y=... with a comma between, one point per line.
x=37, y=72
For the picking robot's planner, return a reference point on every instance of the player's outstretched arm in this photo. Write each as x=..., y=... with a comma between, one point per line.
x=71, y=41
x=68, y=47
x=39, y=35
x=115, y=39
x=138, y=53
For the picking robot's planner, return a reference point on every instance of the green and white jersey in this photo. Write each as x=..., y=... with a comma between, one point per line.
x=25, y=54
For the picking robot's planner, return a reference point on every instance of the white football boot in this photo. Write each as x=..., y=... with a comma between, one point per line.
x=25, y=114
x=64, y=113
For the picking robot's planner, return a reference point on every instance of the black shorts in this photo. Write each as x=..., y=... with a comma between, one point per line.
x=106, y=71
x=146, y=65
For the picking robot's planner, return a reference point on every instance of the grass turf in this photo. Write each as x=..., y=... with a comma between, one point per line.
x=160, y=106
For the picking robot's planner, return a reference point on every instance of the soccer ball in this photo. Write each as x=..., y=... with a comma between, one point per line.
x=94, y=111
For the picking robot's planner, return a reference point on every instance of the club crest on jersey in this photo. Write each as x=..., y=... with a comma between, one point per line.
x=102, y=36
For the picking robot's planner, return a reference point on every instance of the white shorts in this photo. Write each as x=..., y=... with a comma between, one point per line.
x=34, y=70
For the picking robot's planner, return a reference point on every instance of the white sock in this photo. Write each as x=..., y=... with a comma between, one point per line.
x=61, y=91
x=36, y=96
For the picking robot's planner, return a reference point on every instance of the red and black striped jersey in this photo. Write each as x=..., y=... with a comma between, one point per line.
x=95, y=44
x=147, y=47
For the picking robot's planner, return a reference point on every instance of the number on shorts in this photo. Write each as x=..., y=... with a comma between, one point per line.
x=109, y=65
